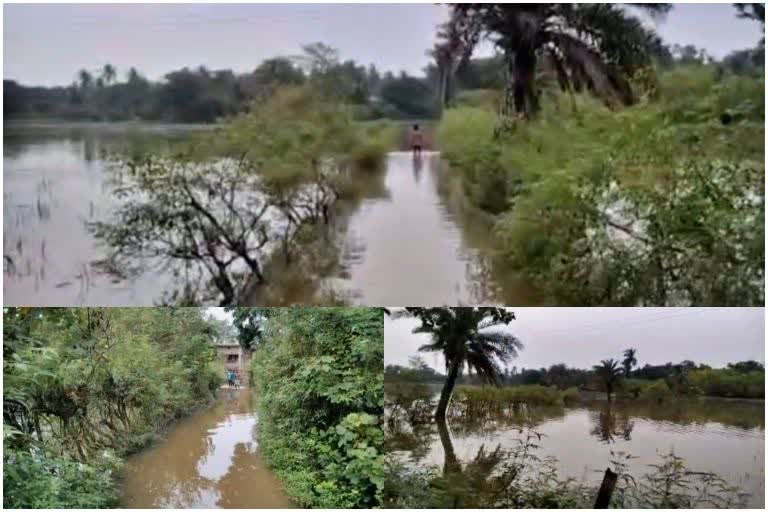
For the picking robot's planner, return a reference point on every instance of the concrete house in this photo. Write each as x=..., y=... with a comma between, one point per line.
x=235, y=357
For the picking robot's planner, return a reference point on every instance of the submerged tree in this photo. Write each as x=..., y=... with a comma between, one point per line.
x=609, y=373
x=464, y=338
x=196, y=219
x=629, y=360
x=597, y=47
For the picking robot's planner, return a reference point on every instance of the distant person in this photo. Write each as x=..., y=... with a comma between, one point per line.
x=417, y=140
x=230, y=378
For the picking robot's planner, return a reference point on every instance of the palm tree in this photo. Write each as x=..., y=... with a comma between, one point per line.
x=588, y=46
x=456, y=40
x=629, y=361
x=464, y=338
x=108, y=73
x=609, y=372
x=85, y=78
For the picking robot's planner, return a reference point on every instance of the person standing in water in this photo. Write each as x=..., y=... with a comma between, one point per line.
x=417, y=140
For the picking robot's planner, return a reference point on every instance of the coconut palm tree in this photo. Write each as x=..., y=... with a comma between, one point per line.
x=108, y=73
x=465, y=338
x=596, y=47
x=85, y=78
x=629, y=360
x=456, y=39
x=609, y=372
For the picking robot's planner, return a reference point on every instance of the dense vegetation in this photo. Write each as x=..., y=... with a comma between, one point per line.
x=84, y=387
x=659, y=202
x=318, y=376
x=202, y=96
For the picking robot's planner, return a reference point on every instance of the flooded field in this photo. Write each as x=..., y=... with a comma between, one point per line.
x=725, y=437
x=54, y=181
x=405, y=243
x=209, y=460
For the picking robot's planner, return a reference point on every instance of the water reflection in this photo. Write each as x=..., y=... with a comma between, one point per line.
x=609, y=423
x=54, y=180
x=210, y=460
x=723, y=437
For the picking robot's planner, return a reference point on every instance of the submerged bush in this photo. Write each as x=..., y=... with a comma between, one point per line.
x=319, y=377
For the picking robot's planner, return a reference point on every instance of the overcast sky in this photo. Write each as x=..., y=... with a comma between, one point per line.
x=48, y=44
x=581, y=337
x=219, y=314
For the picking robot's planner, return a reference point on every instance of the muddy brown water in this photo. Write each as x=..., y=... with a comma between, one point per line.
x=725, y=437
x=209, y=460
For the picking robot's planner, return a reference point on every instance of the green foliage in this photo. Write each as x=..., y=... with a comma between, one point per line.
x=657, y=391
x=728, y=383
x=465, y=136
x=318, y=374
x=81, y=384
x=657, y=204
x=38, y=479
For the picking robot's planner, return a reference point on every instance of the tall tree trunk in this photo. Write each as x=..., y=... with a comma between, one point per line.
x=451, y=464
x=445, y=394
x=524, y=76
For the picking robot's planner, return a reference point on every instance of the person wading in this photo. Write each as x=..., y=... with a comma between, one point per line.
x=416, y=140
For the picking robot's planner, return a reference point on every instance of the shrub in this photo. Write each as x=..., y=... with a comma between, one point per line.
x=658, y=391
x=645, y=205
x=319, y=378
x=38, y=479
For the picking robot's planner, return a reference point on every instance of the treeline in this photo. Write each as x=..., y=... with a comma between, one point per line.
x=84, y=387
x=743, y=379
x=317, y=375
x=203, y=95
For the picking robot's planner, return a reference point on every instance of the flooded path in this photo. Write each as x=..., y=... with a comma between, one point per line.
x=209, y=460
x=409, y=248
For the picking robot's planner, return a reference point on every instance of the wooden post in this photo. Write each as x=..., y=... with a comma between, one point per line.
x=606, y=489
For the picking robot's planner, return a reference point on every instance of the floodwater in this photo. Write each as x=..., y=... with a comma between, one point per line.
x=725, y=437
x=210, y=460
x=410, y=246
x=404, y=244
x=54, y=181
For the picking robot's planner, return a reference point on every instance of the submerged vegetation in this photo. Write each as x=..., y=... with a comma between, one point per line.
x=318, y=375
x=263, y=185
x=84, y=387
